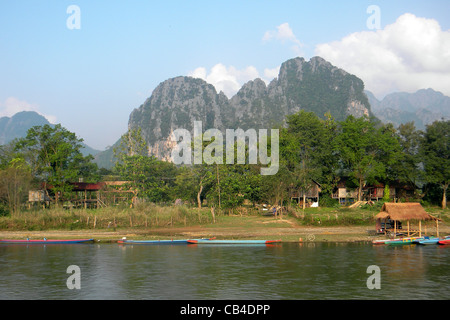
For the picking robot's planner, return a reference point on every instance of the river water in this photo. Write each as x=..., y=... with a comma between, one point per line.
x=287, y=271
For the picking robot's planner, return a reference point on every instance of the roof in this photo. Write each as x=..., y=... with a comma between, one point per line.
x=84, y=186
x=404, y=211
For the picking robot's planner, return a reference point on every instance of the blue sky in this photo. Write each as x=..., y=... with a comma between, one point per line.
x=90, y=79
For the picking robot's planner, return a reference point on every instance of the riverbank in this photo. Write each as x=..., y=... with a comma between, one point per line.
x=287, y=229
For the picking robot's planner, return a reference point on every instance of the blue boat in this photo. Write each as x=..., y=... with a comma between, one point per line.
x=154, y=242
x=427, y=241
x=240, y=242
x=431, y=240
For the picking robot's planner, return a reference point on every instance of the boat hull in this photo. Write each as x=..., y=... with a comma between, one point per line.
x=399, y=241
x=240, y=242
x=153, y=242
x=427, y=241
x=445, y=241
x=46, y=241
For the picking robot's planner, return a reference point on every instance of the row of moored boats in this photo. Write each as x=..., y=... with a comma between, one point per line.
x=398, y=241
x=415, y=240
x=157, y=242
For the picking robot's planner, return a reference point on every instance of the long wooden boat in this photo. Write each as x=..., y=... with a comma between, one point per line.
x=431, y=240
x=209, y=241
x=427, y=241
x=398, y=241
x=404, y=241
x=154, y=242
x=46, y=241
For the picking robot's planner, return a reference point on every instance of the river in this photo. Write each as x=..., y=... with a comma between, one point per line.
x=287, y=271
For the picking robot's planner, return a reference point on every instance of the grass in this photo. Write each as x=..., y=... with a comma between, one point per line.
x=145, y=216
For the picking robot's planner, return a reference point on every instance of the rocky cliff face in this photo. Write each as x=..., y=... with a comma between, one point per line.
x=177, y=103
x=314, y=86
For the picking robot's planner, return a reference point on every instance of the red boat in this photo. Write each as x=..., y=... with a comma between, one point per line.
x=444, y=241
x=45, y=241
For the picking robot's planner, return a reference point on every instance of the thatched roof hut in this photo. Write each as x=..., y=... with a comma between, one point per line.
x=411, y=211
x=403, y=211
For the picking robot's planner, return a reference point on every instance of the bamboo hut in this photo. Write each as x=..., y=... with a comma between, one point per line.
x=400, y=212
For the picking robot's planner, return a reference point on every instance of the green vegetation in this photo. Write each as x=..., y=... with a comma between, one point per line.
x=311, y=149
x=148, y=216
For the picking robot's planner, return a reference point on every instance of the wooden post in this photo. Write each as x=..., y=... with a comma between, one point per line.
x=420, y=228
x=437, y=228
x=395, y=228
x=212, y=214
x=408, y=228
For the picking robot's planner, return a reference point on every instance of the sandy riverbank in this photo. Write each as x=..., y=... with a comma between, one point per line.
x=285, y=230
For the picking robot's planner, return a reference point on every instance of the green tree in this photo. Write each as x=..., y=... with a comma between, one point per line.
x=54, y=156
x=389, y=152
x=435, y=154
x=358, y=145
x=407, y=168
x=148, y=177
x=15, y=181
x=308, y=152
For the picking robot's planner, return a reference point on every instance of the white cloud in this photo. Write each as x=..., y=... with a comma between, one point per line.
x=410, y=54
x=12, y=105
x=230, y=79
x=271, y=73
x=284, y=34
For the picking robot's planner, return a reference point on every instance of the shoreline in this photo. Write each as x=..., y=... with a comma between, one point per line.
x=291, y=233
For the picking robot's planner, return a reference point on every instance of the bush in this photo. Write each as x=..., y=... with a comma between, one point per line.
x=327, y=201
x=4, y=211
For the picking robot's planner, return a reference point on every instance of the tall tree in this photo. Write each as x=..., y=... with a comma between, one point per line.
x=147, y=176
x=407, y=167
x=435, y=154
x=358, y=148
x=54, y=156
x=307, y=149
x=15, y=181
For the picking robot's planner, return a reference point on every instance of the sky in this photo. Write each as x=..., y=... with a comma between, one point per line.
x=88, y=64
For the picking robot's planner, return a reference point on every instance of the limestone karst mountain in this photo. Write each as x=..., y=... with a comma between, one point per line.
x=314, y=85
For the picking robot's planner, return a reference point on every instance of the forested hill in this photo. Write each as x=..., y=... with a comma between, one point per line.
x=17, y=126
x=314, y=85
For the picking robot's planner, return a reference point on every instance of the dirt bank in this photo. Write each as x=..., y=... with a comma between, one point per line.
x=286, y=230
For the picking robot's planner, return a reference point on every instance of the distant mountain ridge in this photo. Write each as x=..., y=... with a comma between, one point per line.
x=17, y=126
x=314, y=85
x=423, y=107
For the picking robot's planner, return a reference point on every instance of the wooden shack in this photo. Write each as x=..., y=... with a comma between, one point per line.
x=401, y=212
x=90, y=195
x=343, y=193
x=312, y=194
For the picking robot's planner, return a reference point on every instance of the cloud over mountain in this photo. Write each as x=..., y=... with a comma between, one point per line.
x=12, y=105
x=284, y=34
x=230, y=79
x=410, y=54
